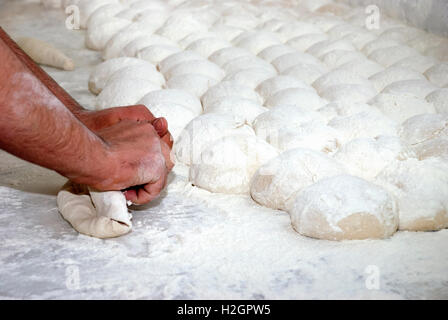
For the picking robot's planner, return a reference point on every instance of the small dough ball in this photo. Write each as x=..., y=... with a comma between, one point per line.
x=341, y=108
x=144, y=72
x=419, y=88
x=173, y=96
x=439, y=98
x=295, y=29
x=338, y=77
x=244, y=110
x=227, y=165
x=202, y=67
x=363, y=67
x=424, y=127
x=157, y=52
x=228, y=89
x=303, y=98
x=226, y=32
x=173, y=60
x=101, y=31
x=337, y=58
x=344, y=207
x=366, y=157
x=179, y=25
x=202, y=131
x=401, y=107
x=102, y=72
x=391, y=55
x=124, y=92
x=438, y=74
x=306, y=72
x=277, y=183
x=421, y=190
x=366, y=124
x=195, y=84
x=289, y=60
x=257, y=41
x=247, y=62
x=223, y=56
x=273, y=52
x=133, y=47
x=304, y=42
x=250, y=77
x=271, y=86
x=393, y=74
x=207, y=46
x=377, y=44
x=321, y=48
x=350, y=93
x=417, y=63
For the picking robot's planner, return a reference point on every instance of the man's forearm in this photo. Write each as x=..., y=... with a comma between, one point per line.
x=36, y=126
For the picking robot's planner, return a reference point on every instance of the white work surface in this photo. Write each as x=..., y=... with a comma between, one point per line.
x=188, y=244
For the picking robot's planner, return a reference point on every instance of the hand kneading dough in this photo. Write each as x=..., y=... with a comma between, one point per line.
x=276, y=183
x=228, y=164
x=44, y=53
x=344, y=208
x=421, y=190
x=107, y=217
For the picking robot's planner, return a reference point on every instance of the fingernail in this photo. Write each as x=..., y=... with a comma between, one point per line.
x=158, y=124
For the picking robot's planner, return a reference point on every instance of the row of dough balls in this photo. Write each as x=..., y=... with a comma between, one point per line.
x=214, y=173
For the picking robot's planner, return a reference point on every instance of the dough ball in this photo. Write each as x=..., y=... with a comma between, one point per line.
x=144, y=72
x=290, y=60
x=102, y=72
x=273, y=85
x=256, y=41
x=363, y=67
x=225, y=55
x=179, y=25
x=419, y=88
x=391, y=55
x=439, y=52
x=133, y=47
x=171, y=61
x=228, y=89
x=401, y=107
x=303, y=98
x=250, y=77
x=439, y=98
x=192, y=37
x=273, y=52
x=438, y=74
x=124, y=92
x=195, y=84
x=416, y=63
x=304, y=42
x=156, y=53
x=173, y=96
x=366, y=124
x=421, y=190
x=350, y=93
x=277, y=183
x=227, y=165
x=377, y=44
x=99, y=33
x=247, y=62
x=202, y=67
x=342, y=108
x=208, y=46
x=87, y=8
x=359, y=38
x=393, y=74
x=337, y=58
x=321, y=48
x=307, y=73
x=344, y=207
x=295, y=29
x=424, y=127
x=366, y=157
x=244, y=110
x=434, y=148
x=202, y=131
x=339, y=77
x=226, y=32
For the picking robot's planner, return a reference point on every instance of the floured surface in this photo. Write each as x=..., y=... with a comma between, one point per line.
x=189, y=243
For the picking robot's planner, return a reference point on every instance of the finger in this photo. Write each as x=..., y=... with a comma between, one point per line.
x=161, y=126
x=166, y=151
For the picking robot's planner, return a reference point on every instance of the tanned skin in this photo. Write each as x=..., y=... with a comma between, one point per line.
x=114, y=149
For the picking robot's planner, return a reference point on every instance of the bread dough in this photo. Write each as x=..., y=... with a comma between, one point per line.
x=124, y=92
x=44, y=53
x=391, y=55
x=244, y=110
x=344, y=207
x=366, y=157
x=401, y=107
x=350, y=93
x=393, y=74
x=133, y=47
x=276, y=184
x=439, y=99
x=173, y=96
x=337, y=58
x=228, y=164
x=156, y=53
x=227, y=89
x=257, y=41
x=202, y=67
x=421, y=190
x=99, y=32
x=207, y=46
x=306, y=72
x=171, y=61
x=273, y=52
x=96, y=214
x=303, y=98
x=438, y=74
x=339, y=77
x=340, y=108
x=202, y=131
x=305, y=41
x=271, y=86
x=290, y=60
x=144, y=72
x=225, y=55
x=419, y=88
x=102, y=72
x=196, y=84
